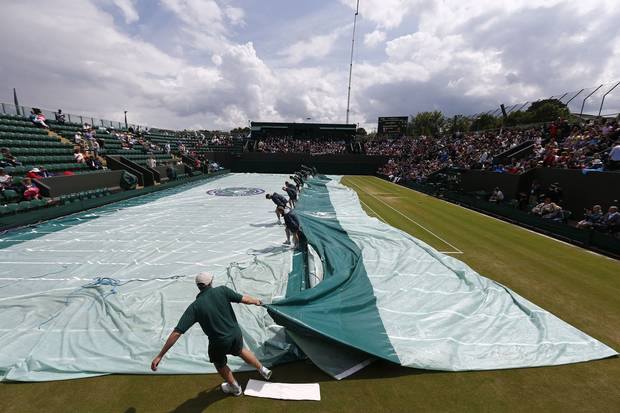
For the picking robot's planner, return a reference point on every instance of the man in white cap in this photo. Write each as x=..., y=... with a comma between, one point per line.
x=212, y=310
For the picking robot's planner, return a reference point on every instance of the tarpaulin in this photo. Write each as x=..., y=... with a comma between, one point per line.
x=390, y=295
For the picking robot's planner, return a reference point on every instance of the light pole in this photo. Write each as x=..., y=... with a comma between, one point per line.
x=126, y=125
x=357, y=10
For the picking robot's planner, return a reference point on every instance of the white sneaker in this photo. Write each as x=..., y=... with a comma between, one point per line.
x=265, y=372
x=229, y=389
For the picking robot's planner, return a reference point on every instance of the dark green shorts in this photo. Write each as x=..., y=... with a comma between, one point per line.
x=218, y=349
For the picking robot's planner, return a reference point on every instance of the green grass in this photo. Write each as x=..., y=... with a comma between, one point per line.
x=580, y=287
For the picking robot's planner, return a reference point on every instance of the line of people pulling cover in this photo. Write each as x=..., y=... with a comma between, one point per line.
x=212, y=308
x=284, y=207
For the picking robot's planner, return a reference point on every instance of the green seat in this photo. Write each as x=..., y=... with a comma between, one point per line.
x=12, y=208
x=24, y=206
x=10, y=195
x=40, y=203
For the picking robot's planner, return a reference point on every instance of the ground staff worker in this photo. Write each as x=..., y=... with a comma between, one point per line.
x=279, y=200
x=212, y=310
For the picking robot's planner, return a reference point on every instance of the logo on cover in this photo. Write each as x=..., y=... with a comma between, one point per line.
x=236, y=191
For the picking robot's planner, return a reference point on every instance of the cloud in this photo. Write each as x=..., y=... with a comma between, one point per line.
x=458, y=57
x=128, y=9
x=235, y=15
x=374, y=38
x=388, y=14
x=315, y=47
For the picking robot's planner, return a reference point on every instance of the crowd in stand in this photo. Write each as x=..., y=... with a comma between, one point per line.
x=417, y=158
x=595, y=218
x=289, y=144
x=25, y=189
x=592, y=146
x=546, y=203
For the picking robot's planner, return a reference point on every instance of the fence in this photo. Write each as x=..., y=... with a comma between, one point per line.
x=600, y=100
x=11, y=109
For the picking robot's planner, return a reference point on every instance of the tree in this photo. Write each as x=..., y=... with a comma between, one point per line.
x=361, y=132
x=458, y=123
x=240, y=131
x=547, y=110
x=428, y=123
x=485, y=121
x=519, y=118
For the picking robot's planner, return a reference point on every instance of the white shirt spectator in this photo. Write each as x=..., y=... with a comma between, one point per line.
x=614, y=155
x=79, y=157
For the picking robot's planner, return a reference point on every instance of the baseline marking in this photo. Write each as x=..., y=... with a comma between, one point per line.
x=456, y=250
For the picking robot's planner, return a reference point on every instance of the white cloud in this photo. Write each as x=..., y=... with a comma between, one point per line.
x=388, y=14
x=315, y=47
x=235, y=15
x=129, y=10
x=460, y=57
x=374, y=38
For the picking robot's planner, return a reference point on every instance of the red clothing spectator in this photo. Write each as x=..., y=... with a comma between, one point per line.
x=34, y=173
x=31, y=191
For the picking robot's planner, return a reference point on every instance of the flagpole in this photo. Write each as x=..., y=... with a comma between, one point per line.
x=357, y=10
x=16, y=102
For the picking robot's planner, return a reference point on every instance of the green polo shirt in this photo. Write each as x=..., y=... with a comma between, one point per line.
x=212, y=310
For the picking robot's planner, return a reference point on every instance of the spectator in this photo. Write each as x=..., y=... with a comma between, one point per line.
x=167, y=146
x=535, y=192
x=94, y=146
x=38, y=118
x=34, y=173
x=611, y=220
x=77, y=138
x=548, y=209
x=5, y=180
x=93, y=163
x=8, y=159
x=555, y=192
x=614, y=157
x=78, y=156
x=60, y=117
x=31, y=191
x=595, y=166
x=497, y=196
x=593, y=217
x=44, y=172
x=151, y=162
x=523, y=201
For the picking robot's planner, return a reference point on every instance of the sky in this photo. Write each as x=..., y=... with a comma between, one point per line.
x=218, y=64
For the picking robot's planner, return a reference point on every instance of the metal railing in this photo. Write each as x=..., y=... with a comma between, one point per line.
x=590, y=102
x=24, y=110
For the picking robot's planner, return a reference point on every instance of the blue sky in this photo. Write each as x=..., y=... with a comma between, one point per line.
x=219, y=63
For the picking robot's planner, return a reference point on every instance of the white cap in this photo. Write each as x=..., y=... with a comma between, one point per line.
x=205, y=278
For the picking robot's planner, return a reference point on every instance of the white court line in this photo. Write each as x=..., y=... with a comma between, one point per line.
x=456, y=250
x=373, y=211
x=500, y=220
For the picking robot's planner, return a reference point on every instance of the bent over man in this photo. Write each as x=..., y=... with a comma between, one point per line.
x=212, y=310
x=280, y=201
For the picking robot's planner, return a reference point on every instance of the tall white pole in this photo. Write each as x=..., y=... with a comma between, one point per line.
x=357, y=10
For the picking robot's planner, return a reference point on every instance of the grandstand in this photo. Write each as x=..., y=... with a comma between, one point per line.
x=54, y=150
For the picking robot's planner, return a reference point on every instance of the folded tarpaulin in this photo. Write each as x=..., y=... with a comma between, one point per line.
x=389, y=295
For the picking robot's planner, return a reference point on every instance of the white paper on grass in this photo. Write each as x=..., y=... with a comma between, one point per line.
x=283, y=391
